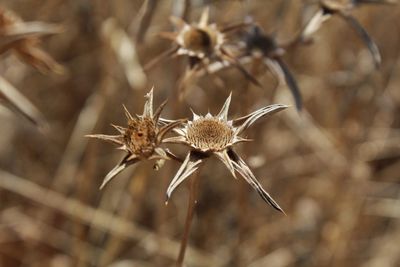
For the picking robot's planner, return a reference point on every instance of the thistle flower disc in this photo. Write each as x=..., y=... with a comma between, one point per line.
x=209, y=134
x=140, y=137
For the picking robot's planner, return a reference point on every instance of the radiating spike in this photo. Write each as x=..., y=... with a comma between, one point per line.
x=248, y=120
x=116, y=139
x=203, y=22
x=195, y=116
x=127, y=114
x=187, y=168
x=223, y=114
x=148, y=106
x=120, y=129
x=157, y=113
x=247, y=174
x=223, y=156
x=122, y=165
x=165, y=129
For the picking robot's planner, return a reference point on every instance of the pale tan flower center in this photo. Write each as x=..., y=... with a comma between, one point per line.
x=199, y=40
x=140, y=137
x=209, y=134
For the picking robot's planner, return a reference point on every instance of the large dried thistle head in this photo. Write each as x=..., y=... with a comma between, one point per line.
x=216, y=135
x=22, y=38
x=141, y=139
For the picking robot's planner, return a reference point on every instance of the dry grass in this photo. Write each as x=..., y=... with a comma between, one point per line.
x=334, y=168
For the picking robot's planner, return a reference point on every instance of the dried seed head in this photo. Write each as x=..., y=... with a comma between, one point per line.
x=140, y=137
x=216, y=135
x=209, y=134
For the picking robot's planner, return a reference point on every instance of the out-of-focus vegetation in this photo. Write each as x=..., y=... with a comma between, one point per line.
x=334, y=167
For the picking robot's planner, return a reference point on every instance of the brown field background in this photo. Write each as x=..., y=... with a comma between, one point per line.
x=334, y=168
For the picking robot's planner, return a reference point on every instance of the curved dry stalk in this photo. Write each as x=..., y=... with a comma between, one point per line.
x=189, y=219
x=20, y=104
x=372, y=47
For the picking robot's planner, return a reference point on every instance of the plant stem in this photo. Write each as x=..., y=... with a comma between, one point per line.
x=189, y=219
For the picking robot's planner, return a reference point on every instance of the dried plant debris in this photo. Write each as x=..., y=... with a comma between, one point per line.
x=22, y=39
x=20, y=104
x=141, y=139
x=261, y=45
x=203, y=43
x=216, y=135
x=342, y=8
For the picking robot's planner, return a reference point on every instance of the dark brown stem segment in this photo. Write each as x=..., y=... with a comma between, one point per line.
x=189, y=219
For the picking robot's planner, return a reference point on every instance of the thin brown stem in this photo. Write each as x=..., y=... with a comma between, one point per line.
x=189, y=219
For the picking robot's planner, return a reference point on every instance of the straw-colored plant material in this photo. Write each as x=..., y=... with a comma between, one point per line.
x=126, y=53
x=22, y=39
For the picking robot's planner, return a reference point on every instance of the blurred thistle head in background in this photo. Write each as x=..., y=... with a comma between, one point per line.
x=263, y=47
x=141, y=139
x=215, y=135
x=204, y=44
x=201, y=40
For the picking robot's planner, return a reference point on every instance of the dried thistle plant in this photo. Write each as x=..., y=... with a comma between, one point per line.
x=342, y=8
x=141, y=139
x=203, y=43
x=22, y=39
x=216, y=135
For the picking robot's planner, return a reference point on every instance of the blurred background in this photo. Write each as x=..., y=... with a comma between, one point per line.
x=334, y=168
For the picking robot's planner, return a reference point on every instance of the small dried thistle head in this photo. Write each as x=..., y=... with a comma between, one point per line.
x=201, y=40
x=141, y=139
x=216, y=135
x=204, y=44
x=22, y=38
